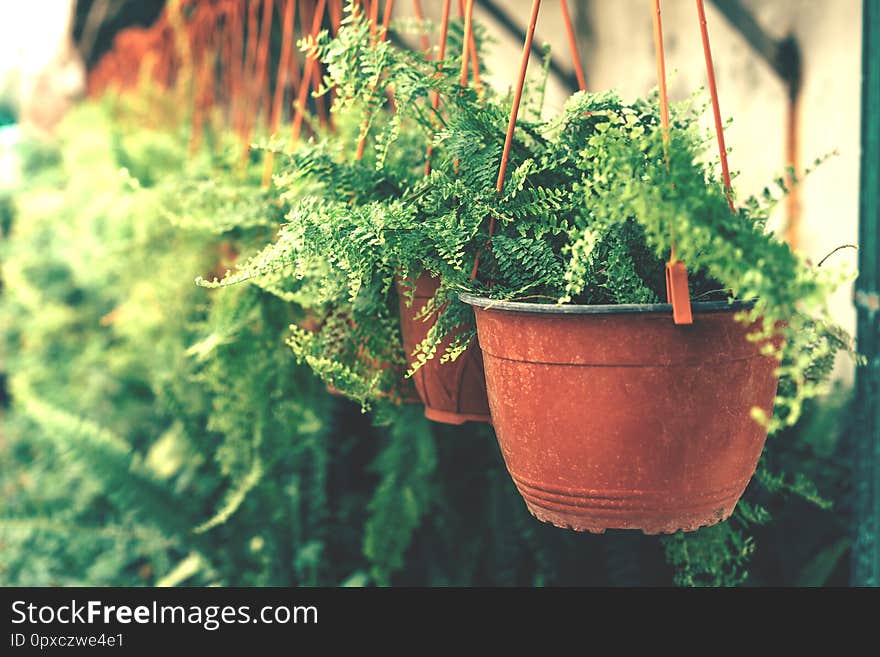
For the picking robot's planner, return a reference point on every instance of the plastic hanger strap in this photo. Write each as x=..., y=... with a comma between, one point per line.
x=315, y=27
x=514, y=113
x=287, y=22
x=716, y=110
x=386, y=18
x=677, y=292
x=572, y=45
x=441, y=55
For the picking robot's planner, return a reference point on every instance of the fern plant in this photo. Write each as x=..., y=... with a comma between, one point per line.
x=594, y=200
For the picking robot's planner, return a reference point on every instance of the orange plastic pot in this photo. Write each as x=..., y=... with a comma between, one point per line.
x=452, y=392
x=613, y=417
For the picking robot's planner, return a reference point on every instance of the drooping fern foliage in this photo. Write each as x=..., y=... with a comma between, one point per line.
x=332, y=199
x=594, y=199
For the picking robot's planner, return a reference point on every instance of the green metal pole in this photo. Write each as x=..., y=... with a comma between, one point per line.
x=866, y=548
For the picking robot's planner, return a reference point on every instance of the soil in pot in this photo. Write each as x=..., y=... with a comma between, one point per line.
x=614, y=417
x=452, y=392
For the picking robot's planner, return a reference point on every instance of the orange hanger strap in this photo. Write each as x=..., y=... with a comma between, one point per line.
x=247, y=67
x=514, y=113
x=467, y=9
x=374, y=17
x=335, y=15
x=261, y=77
x=661, y=70
x=287, y=21
x=466, y=40
x=572, y=44
x=216, y=56
x=252, y=36
x=444, y=29
x=235, y=63
x=224, y=58
x=475, y=62
x=204, y=63
x=294, y=71
x=441, y=54
x=383, y=35
x=265, y=37
x=386, y=19
x=517, y=98
x=677, y=292
x=716, y=110
x=420, y=16
x=306, y=13
x=475, y=57
x=301, y=97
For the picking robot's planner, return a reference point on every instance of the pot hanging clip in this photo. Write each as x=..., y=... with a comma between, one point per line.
x=677, y=292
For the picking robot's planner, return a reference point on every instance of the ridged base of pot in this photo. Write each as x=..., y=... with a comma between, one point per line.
x=651, y=512
x=448, y=417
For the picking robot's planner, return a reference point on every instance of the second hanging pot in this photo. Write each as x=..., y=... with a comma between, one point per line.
x=452, y=392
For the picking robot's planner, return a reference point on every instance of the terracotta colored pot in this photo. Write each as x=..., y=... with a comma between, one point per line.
x=453, y=393
x=614, y=417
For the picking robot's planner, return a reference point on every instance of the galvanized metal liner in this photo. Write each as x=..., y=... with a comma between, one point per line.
x=607, y=309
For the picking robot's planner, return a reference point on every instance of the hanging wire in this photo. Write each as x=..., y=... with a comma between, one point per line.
x=472, y=47
x=386, y=19
x=362, y=138
x=661, y=76
x=335, y=15
x=249, y=61
x=260, y=63
x=465, y=41
x=466, y=11
x=280, y=83
x=514, y=112
x=677, y=291
x=441, y=55
x=716, y=111
x=374, y=17
x=317, y=17
x=572, y=44
x=317, y=75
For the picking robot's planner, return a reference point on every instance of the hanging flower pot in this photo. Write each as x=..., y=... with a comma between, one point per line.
x=452, y=392
x=613, y=417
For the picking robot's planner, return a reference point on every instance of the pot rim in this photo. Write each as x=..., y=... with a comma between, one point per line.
x=600, y=309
